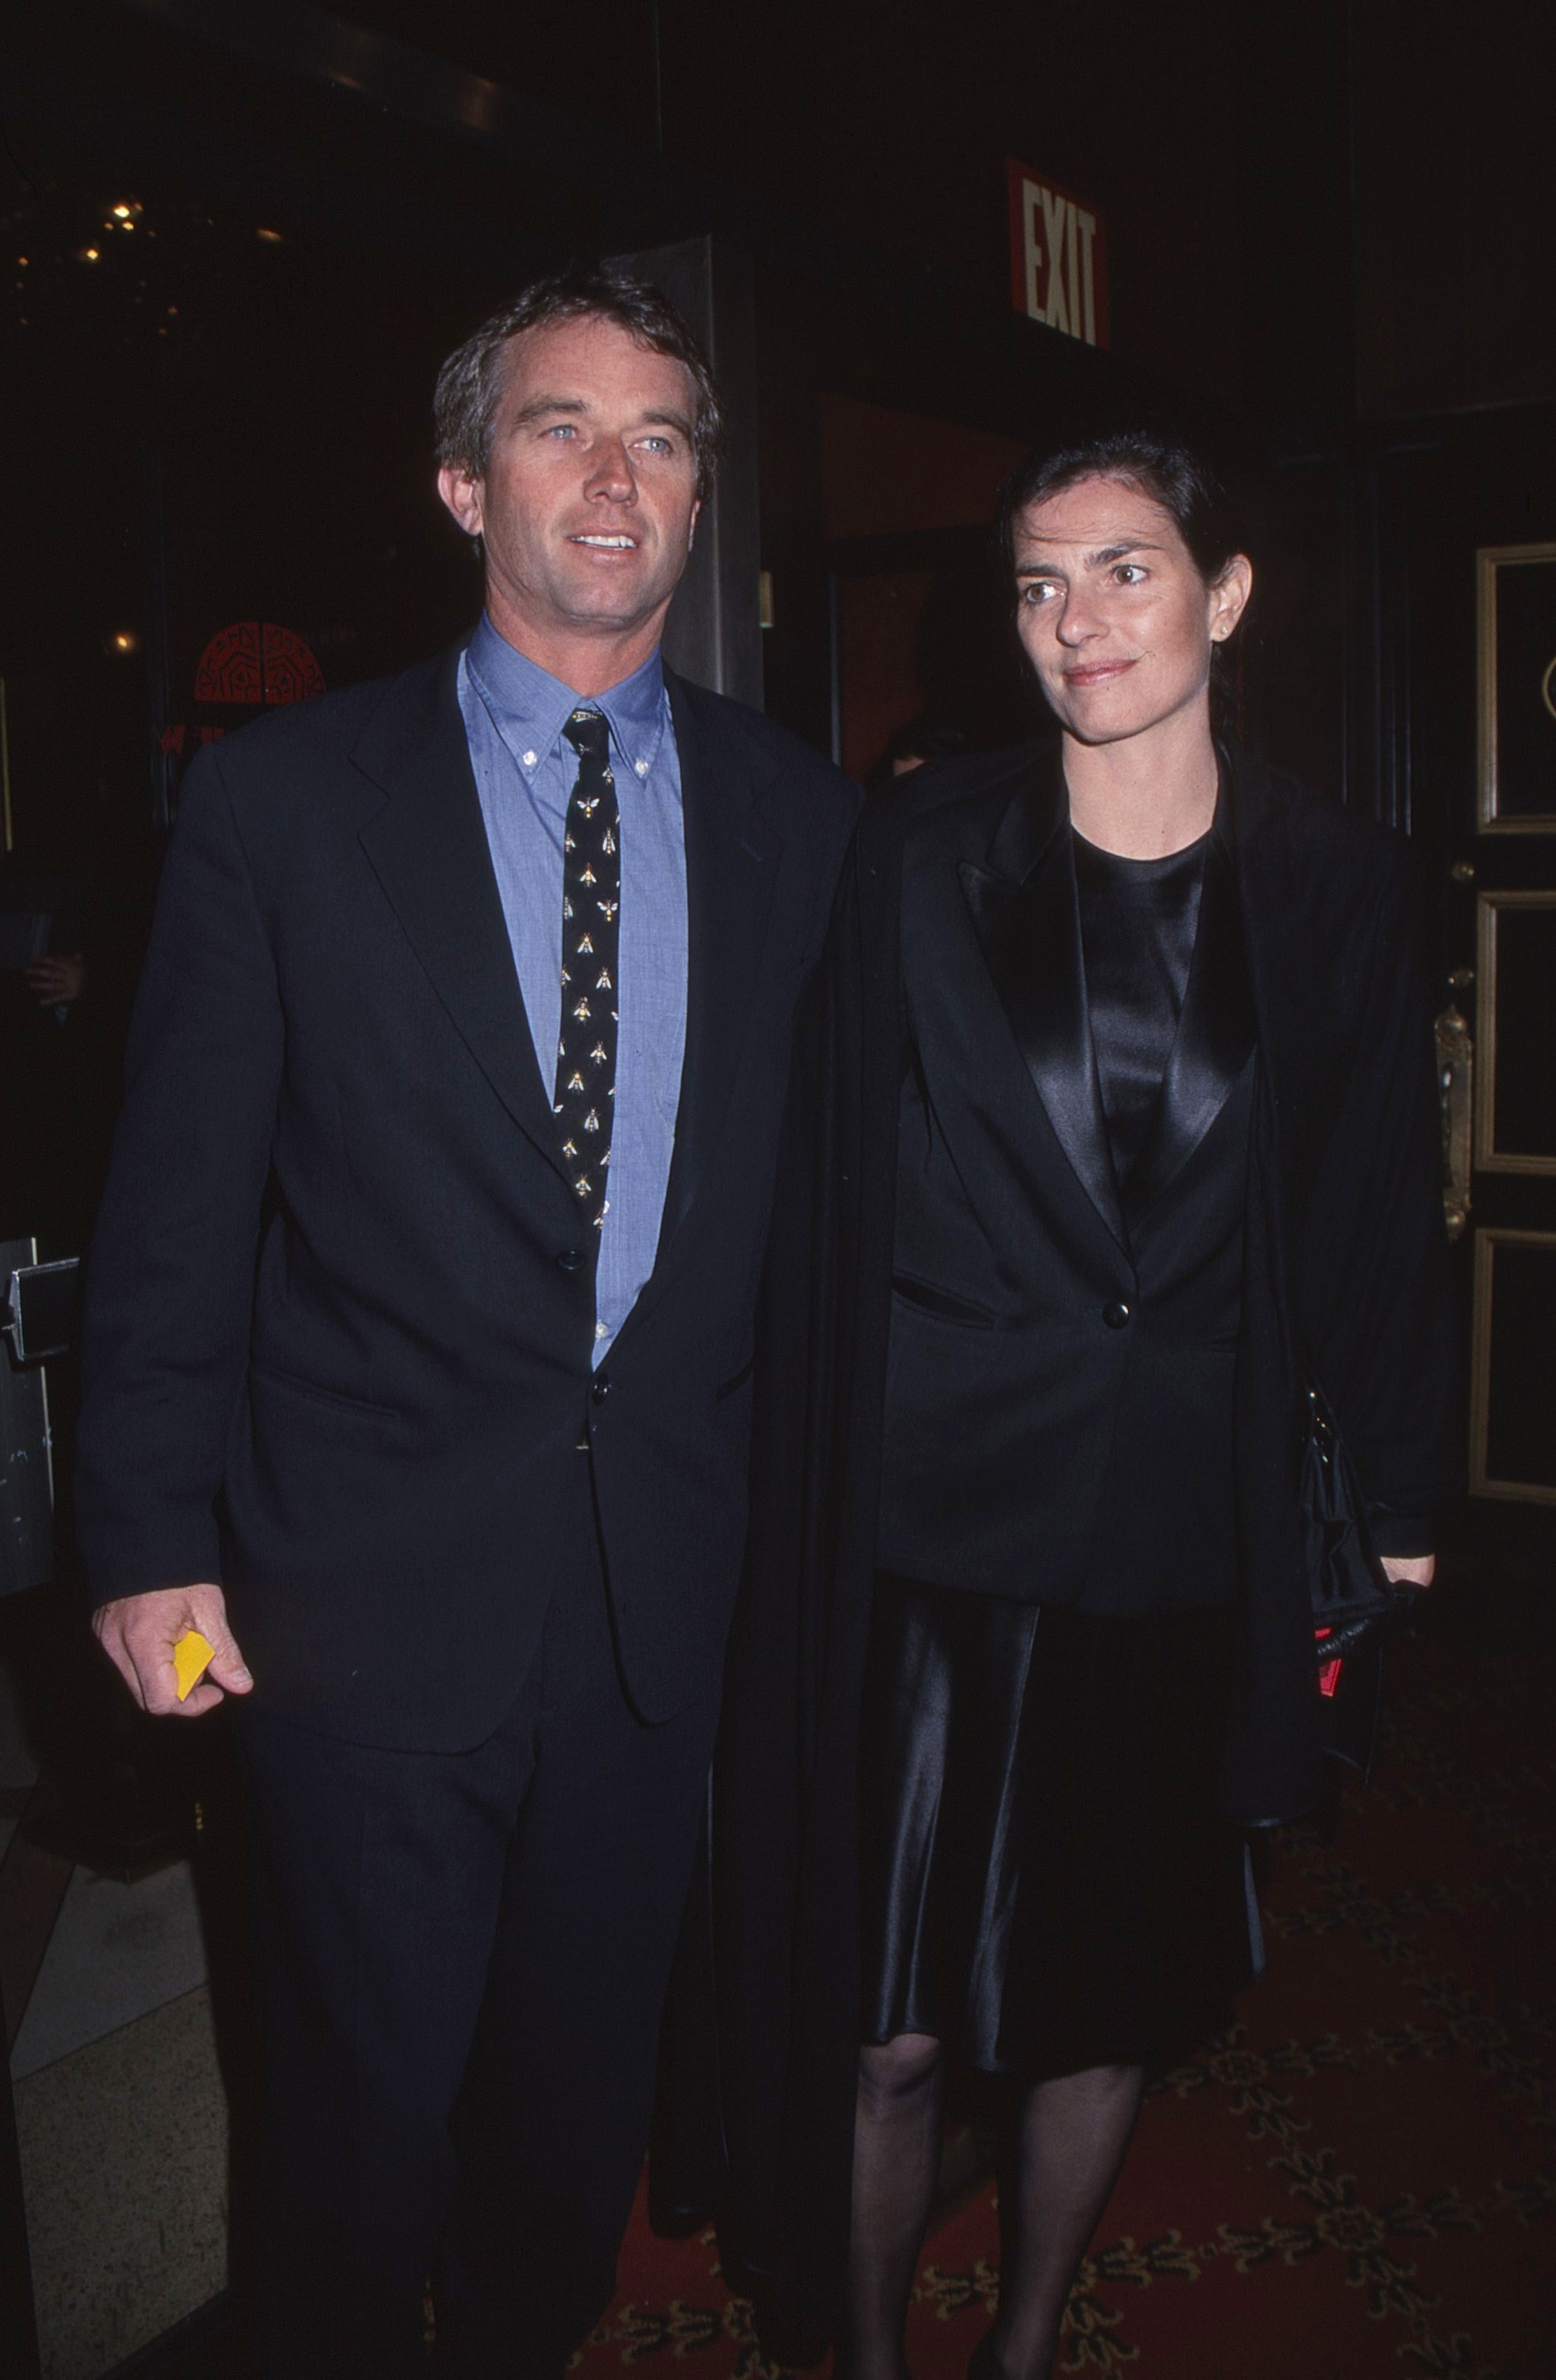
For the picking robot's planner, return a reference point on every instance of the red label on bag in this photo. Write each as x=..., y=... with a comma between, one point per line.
x=1329, y=1673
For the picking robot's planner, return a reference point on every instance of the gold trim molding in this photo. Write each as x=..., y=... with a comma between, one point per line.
x=1508, y=1491
x=1489, y=560
x=1488, y=1157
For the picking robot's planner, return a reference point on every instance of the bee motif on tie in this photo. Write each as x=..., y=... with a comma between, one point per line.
x=586, y=1064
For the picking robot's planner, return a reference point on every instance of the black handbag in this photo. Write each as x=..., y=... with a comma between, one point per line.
x=1353, y=1602
x=1355, y=1606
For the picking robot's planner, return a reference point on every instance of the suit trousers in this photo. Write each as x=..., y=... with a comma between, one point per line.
x=461, y=1962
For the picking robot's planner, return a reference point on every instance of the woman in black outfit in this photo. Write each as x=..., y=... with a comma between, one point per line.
x=1130, y=1133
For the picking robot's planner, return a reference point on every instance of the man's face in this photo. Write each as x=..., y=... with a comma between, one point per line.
x=590, y=494
x=1115, y=618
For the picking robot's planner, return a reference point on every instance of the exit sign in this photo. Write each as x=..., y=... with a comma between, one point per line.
x=1058, y=258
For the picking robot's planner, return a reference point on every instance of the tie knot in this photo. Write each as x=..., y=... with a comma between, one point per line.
x=589, y=733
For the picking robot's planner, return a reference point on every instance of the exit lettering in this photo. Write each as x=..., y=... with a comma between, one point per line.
x=1058, y=273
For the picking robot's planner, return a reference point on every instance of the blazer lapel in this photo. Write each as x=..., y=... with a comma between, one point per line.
x=428, y=847
x=732, y=853
x=1027, y=917
x=1215, y=1036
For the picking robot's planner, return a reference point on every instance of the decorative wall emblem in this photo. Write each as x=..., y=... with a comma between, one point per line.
x=253, y=661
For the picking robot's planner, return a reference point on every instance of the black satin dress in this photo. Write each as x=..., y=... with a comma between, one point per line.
x=1048, y=1883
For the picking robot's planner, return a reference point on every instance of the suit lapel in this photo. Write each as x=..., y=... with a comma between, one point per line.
x=1027, y=917
x=733, y=855
x=428, y=847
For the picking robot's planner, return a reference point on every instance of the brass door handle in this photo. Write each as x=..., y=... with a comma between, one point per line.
x=1455, y=1083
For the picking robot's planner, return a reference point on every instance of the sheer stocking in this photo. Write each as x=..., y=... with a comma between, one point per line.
x=1073, y=2137
x=896, y=2158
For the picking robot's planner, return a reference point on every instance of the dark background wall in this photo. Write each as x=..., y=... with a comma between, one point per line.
x=1331, y=240
x=1269, y=174
x=1455, y=207
x=890, y=121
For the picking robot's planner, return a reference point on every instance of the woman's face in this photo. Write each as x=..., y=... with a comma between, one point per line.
x=1115, y=618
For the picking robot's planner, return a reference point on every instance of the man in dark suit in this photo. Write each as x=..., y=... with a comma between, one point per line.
x=418, y=1336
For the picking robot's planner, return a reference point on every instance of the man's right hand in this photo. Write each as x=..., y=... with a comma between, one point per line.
x=138, y=1633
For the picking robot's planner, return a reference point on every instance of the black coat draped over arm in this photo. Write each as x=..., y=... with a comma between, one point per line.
x=1345, y=1282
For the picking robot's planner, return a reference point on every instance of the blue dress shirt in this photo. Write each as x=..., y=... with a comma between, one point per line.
x=514, y=713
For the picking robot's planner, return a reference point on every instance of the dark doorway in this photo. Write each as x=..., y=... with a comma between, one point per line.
x=1467, y=516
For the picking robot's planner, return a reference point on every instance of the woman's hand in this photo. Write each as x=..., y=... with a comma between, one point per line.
x=1411, y=1570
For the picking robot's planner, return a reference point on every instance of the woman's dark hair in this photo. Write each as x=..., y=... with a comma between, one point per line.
x=1162, y=466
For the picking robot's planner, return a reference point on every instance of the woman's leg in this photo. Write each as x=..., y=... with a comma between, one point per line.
x=896, y=2158
x=1073, y=2133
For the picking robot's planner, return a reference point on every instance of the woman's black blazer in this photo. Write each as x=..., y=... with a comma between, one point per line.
x=1346, y=1280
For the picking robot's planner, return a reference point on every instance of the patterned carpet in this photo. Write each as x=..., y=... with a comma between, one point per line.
x=1359, y=2179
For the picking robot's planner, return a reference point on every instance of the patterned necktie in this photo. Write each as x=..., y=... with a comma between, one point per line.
x=586, y=1061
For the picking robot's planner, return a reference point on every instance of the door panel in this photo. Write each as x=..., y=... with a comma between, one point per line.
x=1472, y=504
x=1515, y=596
x=1512, y=1434
x=1516, y=1122
x=1513, y=1408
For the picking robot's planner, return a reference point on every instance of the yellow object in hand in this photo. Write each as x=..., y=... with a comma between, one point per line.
x=192, y=1657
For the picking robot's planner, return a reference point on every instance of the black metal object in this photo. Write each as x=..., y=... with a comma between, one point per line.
x=26, y=1452
x=39, y=1309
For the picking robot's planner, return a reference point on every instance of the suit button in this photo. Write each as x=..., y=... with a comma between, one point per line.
x=571, y=1261
x=601, y=1388
x=1115, y=1315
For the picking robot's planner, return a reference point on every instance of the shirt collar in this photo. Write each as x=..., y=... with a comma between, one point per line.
x=529, y=707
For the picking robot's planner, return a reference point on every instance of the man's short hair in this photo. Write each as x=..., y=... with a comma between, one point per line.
x=470, y=383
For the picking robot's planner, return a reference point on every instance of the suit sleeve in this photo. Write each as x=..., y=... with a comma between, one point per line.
x=845, y=802
x=1378, y=1288
x=171, y=1271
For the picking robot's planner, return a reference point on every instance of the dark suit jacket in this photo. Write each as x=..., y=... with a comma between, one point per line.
x=1059, y=1395
x=337, y=1336
x=1344, y=1276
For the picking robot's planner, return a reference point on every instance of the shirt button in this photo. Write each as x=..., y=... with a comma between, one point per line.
x=571, y=1261
x=641, y=767
x=529, y=759
x=601, y=1388
x=1115, y=1315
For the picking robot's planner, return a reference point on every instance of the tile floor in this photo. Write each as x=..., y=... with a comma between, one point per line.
x=124, y=2158
x=121, y=2119
x=117, y=1950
